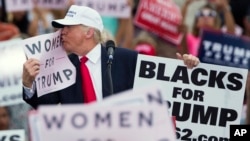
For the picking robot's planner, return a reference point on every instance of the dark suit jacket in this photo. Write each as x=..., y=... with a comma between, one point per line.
x=123, y=72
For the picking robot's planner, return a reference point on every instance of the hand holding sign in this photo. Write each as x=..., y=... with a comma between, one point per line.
x=205, y=97
x=30, y=70
x=189, y=60
x=51, y=68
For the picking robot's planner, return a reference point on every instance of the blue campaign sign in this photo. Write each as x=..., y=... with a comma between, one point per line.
x=224, y=49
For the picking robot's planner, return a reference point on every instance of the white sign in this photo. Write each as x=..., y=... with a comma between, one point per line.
x=12, y=58
x=52, y=4
x=32, y=121
x=56, y=70
x=12, y=135
x=205, y=100
x=18, y=5
x=118, y=8
x=147, y=120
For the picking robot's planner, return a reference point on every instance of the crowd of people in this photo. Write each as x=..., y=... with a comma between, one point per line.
x=216, y=14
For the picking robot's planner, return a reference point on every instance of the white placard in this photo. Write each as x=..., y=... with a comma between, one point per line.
x=12, y=135
x=56, y=70
x=118, y=8
x=147, y=120
x=18, y=5
x=12, y=58
x=52, y=4
x=205, y=100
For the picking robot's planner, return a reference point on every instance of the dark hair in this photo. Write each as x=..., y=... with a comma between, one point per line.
x=23, y=24
x=3, y=13
x=247, y=12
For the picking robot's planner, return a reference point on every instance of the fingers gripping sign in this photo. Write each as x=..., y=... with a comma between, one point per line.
x=189, y=60
x=31, y=69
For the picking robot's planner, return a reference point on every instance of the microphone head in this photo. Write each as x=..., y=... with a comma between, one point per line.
x=110, y=43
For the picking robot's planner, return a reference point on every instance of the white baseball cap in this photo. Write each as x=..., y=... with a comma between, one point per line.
x=80, y=15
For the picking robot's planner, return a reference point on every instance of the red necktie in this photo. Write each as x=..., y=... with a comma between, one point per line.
x=87, y=86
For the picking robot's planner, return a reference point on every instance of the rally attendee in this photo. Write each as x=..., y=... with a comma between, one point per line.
x=206, y=17
x=8, y=31
x=81, y=35
x=125, y=32
x=21, y=20
x=246, y=26
x=40, y=21
x=246, y=23
x=228, y=24
x=144, y=43
x=4, y=118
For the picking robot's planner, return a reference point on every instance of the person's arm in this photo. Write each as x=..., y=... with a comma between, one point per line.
x=184, y=9
x=248, y=99
x=229, y=20
x=183, y=48
x=29, y=92
x=224, y=7
x=30, y=70
x=125, y=32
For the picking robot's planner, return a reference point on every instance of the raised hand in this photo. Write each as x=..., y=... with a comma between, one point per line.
x=30, y=70
x=189, y=60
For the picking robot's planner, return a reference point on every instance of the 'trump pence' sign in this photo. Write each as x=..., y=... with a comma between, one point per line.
x=207, y=97
x=224, y=49
x=56, y=70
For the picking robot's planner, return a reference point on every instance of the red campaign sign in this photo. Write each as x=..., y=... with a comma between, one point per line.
x=161, y=17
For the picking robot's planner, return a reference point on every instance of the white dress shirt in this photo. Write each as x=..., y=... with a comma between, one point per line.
x=95, y=70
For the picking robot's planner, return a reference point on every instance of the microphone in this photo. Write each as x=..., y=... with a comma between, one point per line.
x=110, y=47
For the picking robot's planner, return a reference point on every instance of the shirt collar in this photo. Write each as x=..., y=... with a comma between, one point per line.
x=94, y=55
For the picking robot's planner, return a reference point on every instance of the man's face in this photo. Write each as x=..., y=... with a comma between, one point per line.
x=4, y=119
x=73, y=38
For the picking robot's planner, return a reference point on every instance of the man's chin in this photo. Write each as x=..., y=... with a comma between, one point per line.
x=65, y=48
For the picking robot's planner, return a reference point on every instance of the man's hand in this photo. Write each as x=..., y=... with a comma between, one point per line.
x=30, y=70
x=189, y=60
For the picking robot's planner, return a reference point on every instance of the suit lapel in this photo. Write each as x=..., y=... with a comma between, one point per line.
x=76, y=89
x=78, y=80
x=105, y=84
